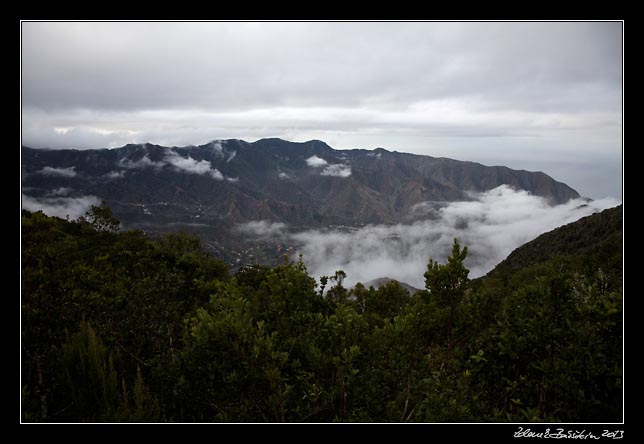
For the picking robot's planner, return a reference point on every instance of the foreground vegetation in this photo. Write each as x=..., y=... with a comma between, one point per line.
x=120, y=327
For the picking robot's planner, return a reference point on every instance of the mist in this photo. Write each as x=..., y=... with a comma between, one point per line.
x=262, y=229
x=63, y=207
x=492, y=225
x=60, y=172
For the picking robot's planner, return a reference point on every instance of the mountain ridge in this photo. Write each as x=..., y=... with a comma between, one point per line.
x=225, y=183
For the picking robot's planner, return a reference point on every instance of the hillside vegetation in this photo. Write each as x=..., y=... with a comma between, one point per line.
x=587, y=245
x=119, y=327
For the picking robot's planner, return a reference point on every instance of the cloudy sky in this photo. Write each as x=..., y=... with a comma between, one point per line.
x=534, y=96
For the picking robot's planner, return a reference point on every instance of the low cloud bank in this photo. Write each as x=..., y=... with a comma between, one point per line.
x=60, y=172
x=144, y=162
x=492, y=226
x=74, y=207
x=263, y=229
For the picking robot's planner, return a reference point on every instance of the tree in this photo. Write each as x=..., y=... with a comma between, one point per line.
x=91, y=383
x=447, y=283
x=337, y=293
x=570, y=328
x=101, y=218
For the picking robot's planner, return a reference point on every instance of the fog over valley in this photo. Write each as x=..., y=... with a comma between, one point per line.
x=492, y=225
x=372, y=214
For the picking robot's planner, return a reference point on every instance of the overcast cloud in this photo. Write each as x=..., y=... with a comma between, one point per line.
x=534, y=96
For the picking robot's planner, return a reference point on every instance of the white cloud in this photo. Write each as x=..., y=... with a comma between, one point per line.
x=74, y=207
x=115, y=175
x=184, y=164
x=190, y=165
x=337, y=170
x=144, y=162
x=217, y=147
x=263, y=228
x=283, y=176
x=232, y=179
x=61, y=172
x=231, y=156
x=492, y=226
x=62, y=130
x=61, y=191
x=316, y=162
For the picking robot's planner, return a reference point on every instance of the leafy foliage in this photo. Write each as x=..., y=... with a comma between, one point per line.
x=120, y=327
x=591, y=243
x=101, y=218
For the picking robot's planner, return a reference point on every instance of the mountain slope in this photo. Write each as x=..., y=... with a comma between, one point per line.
x=212, y=188
x=592, y=242
x=298, y=183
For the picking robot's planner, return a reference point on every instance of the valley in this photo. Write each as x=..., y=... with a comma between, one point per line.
x=213, y=189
